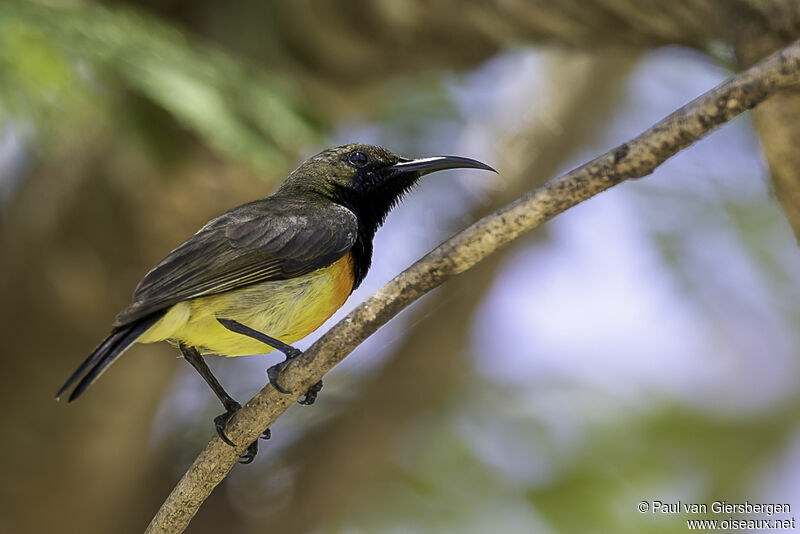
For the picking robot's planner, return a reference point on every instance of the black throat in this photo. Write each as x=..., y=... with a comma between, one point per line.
x=371, y=197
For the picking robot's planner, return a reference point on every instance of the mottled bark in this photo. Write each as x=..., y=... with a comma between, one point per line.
x=633, y=159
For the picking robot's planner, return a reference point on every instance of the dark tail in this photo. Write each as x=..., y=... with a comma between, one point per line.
x=106, y=353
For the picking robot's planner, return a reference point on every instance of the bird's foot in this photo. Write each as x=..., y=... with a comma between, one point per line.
x=311, y=395
x=249, y=454
x=221, y=421
x=274, y=372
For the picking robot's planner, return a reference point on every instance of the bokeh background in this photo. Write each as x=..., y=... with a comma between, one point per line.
x=642, y=346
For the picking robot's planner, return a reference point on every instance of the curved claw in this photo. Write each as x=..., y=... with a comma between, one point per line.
x=221, y=421
x=274, y=372
x=250, y=454
x=311, y=395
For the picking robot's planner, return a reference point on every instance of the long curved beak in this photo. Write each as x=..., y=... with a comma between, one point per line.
x=438, y=163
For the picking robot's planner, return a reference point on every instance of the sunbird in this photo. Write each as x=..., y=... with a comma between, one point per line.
x=269, y=272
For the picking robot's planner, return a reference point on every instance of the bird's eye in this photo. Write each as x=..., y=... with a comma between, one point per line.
x=358, y=159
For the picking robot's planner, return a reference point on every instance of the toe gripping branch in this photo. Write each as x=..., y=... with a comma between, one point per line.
x=274, y=372
x=221, y=421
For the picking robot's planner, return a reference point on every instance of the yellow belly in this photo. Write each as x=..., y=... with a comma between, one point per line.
x=286, y=309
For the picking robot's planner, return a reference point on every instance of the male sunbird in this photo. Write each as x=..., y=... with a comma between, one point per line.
x=268, y=272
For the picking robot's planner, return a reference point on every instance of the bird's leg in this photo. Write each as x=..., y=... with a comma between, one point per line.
x=231, y=406
x=229, y=403
x=273, y=373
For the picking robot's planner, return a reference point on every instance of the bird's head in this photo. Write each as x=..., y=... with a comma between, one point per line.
x=367, y=179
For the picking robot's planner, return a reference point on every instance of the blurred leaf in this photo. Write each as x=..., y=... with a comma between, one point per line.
x=235, y=107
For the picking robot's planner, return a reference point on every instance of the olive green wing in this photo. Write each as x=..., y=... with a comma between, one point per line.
x=269, y=239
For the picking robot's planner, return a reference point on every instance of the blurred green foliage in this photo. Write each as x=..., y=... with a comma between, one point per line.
x=53, y=60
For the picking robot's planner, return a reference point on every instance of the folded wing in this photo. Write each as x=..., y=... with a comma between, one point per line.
x=269, y=239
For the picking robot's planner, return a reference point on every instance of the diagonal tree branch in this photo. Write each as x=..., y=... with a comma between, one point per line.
x=432, y=359
x=633, y=159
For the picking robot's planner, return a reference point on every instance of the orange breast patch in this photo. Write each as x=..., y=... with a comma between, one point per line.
x=343, y=279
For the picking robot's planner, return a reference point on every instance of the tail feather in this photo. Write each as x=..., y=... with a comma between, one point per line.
x=105, y=354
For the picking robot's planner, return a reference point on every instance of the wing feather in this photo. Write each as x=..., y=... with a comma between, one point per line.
x=269, y=239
